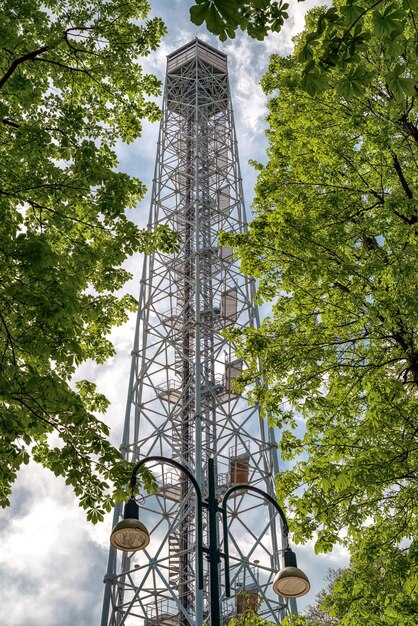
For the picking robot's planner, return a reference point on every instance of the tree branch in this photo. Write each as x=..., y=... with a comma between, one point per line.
x=65, y=67
x=8, y=122
x=26, y=57
x=402, y=179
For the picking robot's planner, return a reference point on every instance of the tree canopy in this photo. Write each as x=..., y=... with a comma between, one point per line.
x=334, y=247
x=382, y=592
x=224, y=17
x=343, y=36
x=70, y=87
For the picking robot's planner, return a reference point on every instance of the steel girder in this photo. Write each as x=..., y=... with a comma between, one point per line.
x=182, y=399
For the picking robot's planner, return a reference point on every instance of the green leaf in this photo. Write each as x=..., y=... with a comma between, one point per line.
x=313, y=82
x=214, y=21
x=387, y=21
x=306, y=54
x=228, y=10
x=261, y=4
x=402, y=86
x=354, y=83
x=198, y=13
x=351, y=12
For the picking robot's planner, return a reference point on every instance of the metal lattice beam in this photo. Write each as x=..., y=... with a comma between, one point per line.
x=181, y=401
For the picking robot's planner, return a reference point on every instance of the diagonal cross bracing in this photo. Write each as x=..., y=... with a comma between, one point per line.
x=182, y=400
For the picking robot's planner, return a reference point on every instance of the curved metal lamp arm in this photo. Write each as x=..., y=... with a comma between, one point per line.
x=195, y=484
x=266, y=496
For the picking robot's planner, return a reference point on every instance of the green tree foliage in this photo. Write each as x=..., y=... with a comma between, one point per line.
x=342, y=37
x=347, y=34
x=224, y=17
x=382, y=592
x=334, y=246
x=69, y=89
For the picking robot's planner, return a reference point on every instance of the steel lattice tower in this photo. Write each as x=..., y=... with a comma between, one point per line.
x=182, y=403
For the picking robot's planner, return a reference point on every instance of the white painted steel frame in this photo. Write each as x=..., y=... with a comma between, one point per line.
x=181, y=399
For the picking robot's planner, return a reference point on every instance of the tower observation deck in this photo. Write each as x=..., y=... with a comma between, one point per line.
x=182, y=401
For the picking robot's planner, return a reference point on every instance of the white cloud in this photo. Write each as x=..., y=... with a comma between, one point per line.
x=46, y=559
x=245, y=66
x=316, y=566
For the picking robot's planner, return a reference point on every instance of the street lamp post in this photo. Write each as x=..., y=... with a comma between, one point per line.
x=130, y=535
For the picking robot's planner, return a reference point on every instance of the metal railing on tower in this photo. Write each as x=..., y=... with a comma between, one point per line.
x=182, y=402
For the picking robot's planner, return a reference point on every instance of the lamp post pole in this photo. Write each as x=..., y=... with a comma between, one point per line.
x=130, y=535
x=214, y=553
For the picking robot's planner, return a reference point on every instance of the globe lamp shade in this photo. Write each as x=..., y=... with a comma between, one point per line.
x=130, y=535
x=291, y=582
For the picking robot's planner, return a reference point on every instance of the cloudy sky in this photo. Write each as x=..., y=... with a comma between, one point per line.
x=52, y=561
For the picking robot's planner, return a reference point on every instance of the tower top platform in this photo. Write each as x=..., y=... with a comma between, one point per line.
x=200, y=50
